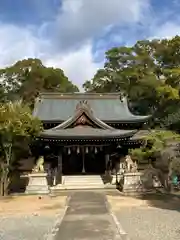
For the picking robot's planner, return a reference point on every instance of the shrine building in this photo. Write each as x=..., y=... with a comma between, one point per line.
x=85, y=133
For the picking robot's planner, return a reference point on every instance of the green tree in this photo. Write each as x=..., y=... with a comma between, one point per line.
x=17, y=125
x=160, y=150
x=25, y=79
x=145, y=73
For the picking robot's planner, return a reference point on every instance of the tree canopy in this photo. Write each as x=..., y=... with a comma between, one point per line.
x=26, y=78
x=17, y=128
x=161, y=151
x=147, y=72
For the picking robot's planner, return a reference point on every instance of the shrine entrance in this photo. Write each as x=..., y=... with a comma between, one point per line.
x=95, y=163
x=83, y=163
x=72, y=164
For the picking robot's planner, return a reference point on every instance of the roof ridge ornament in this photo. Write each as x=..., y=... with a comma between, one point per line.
x=123, y=97
x=84, y=104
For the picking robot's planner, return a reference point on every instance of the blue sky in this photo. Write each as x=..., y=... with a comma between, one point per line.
x=74, y=34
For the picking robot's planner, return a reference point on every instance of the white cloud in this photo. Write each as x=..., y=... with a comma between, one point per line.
x=84, y=19
x=18, y=43
x=78, y=23
x=166, y=30
x=78, y=65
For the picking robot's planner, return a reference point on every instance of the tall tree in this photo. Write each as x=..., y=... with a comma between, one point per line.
x=26, y=78
x=162, y=152
x=148, y=73
x=17, y=125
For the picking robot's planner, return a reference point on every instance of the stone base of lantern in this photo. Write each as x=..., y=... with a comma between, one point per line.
x=38, y=184
x=132, y=184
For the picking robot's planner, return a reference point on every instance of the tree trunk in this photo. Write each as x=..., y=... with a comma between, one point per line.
x=170, y=185
x=166, y=182
x=5, y=171
x=1, y=187
x=4, y=183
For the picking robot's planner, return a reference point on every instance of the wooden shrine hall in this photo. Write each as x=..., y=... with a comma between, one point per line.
x=85, y=133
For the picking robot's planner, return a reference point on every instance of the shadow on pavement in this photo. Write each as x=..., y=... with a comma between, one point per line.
x=170, y=201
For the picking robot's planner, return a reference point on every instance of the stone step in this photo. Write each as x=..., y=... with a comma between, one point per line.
x=83, y=175
x=90, y=184
x=59, y=189
x=71, y=187
x=80, y=182
x=80, y=178
x=83, y=180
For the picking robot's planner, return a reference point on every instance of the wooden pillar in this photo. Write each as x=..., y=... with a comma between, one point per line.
x=83, y=159
x=59, y=169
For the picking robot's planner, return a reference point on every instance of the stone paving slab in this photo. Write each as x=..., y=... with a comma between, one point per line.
x=87, y=218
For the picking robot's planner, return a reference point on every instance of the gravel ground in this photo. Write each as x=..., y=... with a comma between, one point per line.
x=26, y=227
x=29, y=217
x=148, y=223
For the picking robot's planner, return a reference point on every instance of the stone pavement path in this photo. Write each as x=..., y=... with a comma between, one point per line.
x=87, y=218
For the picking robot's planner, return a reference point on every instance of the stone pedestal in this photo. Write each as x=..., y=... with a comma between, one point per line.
x=114, y=179
x=132, y=183
x=107, y=178
x=37, y=184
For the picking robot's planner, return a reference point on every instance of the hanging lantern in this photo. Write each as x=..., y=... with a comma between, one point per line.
x=87, y=150
x=78, y=150
x=69, y=151
x=95, y=150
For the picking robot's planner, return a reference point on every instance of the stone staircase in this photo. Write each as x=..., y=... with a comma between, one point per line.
x=80, y=182
x=84, y=181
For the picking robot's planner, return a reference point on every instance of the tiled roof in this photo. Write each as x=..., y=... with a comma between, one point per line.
x=86, y=132
x=106, y=107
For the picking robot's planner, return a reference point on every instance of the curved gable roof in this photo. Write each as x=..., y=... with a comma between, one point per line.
x=83, y=110
x=89, y=126
x=106, y=107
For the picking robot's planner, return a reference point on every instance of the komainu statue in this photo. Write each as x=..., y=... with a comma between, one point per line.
x=134, y=167
x=130, y=165
x=39, y=165
x=128, y=162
